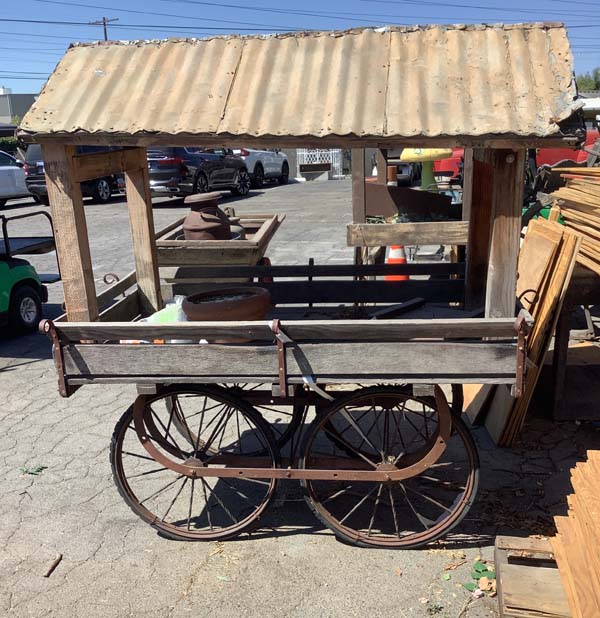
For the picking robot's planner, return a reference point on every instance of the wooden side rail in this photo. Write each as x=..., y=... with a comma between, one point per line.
x=323, y=292
x=298, y=330
x=100, y=164
x=387, y=234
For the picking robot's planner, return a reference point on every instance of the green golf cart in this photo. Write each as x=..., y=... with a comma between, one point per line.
x=21, y=289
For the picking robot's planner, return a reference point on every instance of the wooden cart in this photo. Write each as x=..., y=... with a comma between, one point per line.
x=353, y=407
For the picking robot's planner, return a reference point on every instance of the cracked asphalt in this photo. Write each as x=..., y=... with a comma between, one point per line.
x=115, y=566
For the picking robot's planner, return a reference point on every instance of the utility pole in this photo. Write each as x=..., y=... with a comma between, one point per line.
x=103, y=22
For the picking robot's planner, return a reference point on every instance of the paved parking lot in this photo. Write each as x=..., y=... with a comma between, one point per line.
x=115, y=566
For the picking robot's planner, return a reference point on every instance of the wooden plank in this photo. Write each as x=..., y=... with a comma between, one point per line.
x=386, y=200
x=319, y=270
x=507, y=202
x=290, y=292
x=477, y=398
x=359, y=208
x=301, y=330
x=436, y=362
x=480, y=189
x=381, y=156
x=546, y=320
x=139, y=201
x=537, y=254
x=208, y=140
x=100, y=164
x=499, y=410
x=536, y=590
x=117, y=288
x=70, y=230
x=429, y=233
x=124, y=310
x=526, y=544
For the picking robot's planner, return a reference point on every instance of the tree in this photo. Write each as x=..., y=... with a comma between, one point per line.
x=15, y=119
x=589, y=81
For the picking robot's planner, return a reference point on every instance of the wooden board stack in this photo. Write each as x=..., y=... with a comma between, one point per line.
x=546, y=262
x=579, y=205
x=578, y=539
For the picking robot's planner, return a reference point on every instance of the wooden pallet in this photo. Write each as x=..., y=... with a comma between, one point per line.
x=528, y=580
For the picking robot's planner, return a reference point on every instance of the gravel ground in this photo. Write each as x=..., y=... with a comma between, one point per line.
x=115, y=566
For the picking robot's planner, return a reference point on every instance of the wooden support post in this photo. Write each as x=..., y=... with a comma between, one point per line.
x=141, y=219
x=477, y=206
x=359, y=203
x=70, y=230
x=507, y=203
x=381, y=166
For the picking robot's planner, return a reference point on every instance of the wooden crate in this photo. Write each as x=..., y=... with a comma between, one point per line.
x=260, y=229
x=529, y=583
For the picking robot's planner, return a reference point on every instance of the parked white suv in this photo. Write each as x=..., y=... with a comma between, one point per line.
x=265, y=165
x=12, y=178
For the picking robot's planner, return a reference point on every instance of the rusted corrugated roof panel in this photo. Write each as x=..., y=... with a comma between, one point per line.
x=438, y=81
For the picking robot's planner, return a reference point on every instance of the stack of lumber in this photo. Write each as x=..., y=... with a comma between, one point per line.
x=576, y=546
x=579, y=205
x=545, y=265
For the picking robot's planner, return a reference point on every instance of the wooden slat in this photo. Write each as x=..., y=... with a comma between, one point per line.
x=435, y=362
x=533, y=591
x=125, y=309
x=139, y=201
x=117, y=288
x=319, y=270
x=100, y=164
x=70, y=230
x=291, y=292
x=315, y=330
x=507, y=202
x=385, y=235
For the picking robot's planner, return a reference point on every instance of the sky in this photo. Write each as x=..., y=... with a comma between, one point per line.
x=29, y=51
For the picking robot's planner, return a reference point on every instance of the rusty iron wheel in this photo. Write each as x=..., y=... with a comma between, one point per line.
x=387, y=428
x=149, y=476
x=284, y=420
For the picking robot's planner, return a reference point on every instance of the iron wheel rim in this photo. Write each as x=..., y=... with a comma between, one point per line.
x=231, y=506
x=350, y=526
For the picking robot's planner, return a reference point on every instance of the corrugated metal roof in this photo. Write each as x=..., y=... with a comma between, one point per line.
x=435, y=81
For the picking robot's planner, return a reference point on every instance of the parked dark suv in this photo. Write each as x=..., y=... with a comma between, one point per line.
x=183, y=171
x=100, y=189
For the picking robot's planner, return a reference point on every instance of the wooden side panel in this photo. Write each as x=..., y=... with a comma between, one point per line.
x=416, y=205
x=70, y=229
x=381, y=166
x=431, y=362
x=141, y=219
x=99, y=164
x=509, y=170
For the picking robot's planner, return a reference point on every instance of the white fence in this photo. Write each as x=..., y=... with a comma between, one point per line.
x=318, y=155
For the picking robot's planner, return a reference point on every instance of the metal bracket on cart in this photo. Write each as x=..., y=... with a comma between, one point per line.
x=282, y=341
x=522, y=326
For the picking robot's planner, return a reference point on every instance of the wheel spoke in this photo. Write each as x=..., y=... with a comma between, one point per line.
x=185, y=480
x=133, y=476
x=362, y=501
x=208, y=507
x=358, y=430
x=348, y=446
x=191, y=503
x=372, y=521
x=428, y=499
x=136, y=455
x=156, y=493
x=393, y=507
x=220, y=502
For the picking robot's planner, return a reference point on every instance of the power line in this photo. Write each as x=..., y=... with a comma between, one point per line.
x=479, y=7
x=316, y=13
x=20, y=36
x=204, y=19
x=84, y=23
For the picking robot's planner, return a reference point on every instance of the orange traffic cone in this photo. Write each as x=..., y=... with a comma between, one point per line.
x=396, y=255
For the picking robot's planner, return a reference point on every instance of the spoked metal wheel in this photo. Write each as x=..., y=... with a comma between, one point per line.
x=426, y=458
x=166, y=478
x=284, y=420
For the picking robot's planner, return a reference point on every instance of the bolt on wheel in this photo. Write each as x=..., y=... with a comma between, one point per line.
x=387, y=429
x=157, y=477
